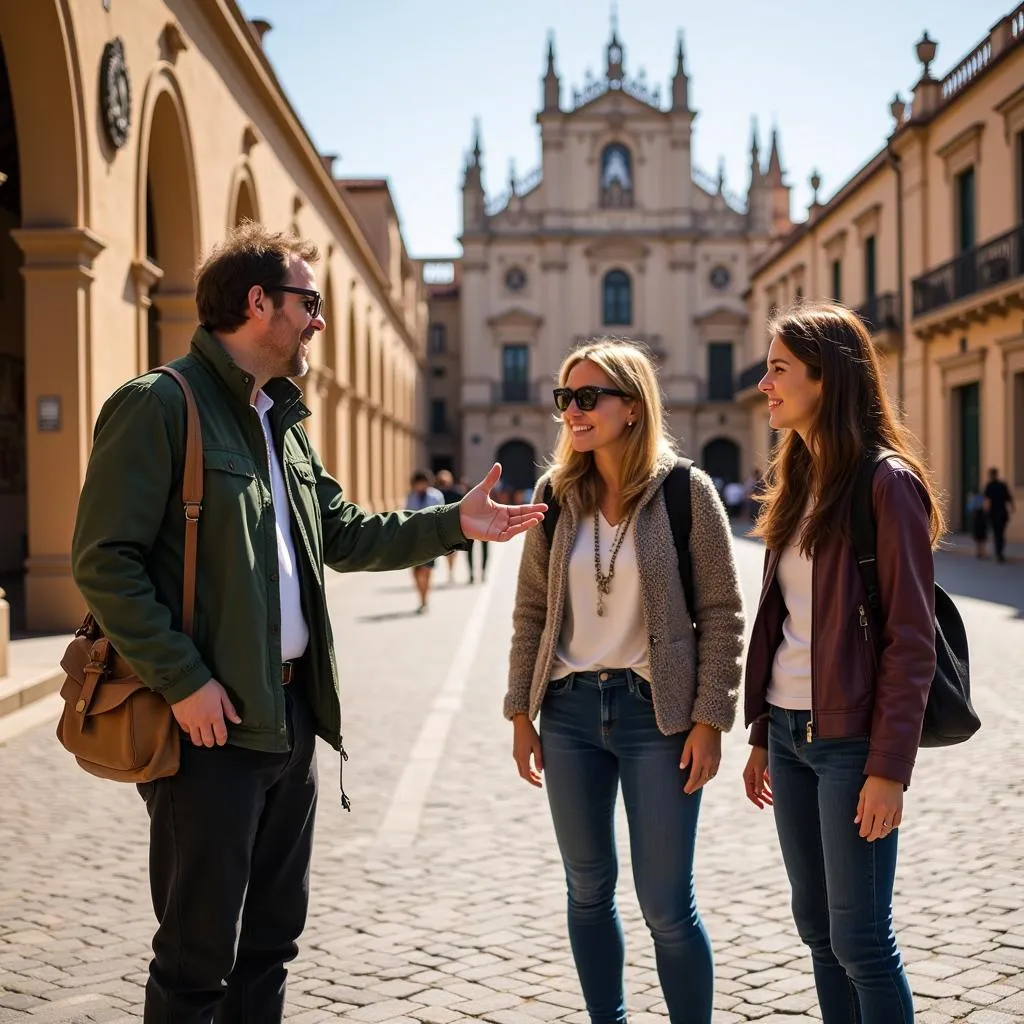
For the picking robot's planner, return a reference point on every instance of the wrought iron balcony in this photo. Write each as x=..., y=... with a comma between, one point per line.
x=752, y=375
x=881, y=312
x=975, y=270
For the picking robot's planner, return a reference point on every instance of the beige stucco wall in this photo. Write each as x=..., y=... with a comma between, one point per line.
x=208, y=124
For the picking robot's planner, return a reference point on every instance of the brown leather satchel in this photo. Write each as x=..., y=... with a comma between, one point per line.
x=115, y=725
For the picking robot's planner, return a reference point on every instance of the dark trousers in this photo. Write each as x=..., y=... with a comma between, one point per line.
x=998, y=524
x=231, y=837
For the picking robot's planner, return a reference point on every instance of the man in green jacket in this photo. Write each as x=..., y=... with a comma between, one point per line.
x=256, y=682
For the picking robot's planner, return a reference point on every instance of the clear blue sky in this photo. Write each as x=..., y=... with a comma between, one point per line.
x=393, y=86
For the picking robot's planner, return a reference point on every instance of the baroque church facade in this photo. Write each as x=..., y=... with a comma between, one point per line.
x=616, y=233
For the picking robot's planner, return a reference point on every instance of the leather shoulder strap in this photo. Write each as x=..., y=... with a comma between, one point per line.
x=680, y=517
x=191, y=497
x=862, y=528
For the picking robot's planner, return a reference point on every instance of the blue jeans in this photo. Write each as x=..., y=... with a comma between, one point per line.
x=596, y=729
x=842, y=884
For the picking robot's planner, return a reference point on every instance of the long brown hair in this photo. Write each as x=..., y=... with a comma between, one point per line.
x=629, y=369
x=854, y=417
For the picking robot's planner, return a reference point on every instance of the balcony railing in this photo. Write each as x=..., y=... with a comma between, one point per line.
x=513, y=392
x=881, y=312
x=975, y=270
x=752, y=375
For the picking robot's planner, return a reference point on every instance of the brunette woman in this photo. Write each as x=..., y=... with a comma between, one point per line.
x=628, y=692
x=836, y=705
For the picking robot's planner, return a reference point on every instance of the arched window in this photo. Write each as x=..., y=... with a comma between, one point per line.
x=616, y=184
x=618, y=298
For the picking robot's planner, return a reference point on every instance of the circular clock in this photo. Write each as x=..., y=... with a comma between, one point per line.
x=515, y=279
x=720, y=277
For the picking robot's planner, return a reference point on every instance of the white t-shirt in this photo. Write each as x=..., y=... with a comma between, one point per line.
x=294, y=631
x=618, y=639
x=790, y=686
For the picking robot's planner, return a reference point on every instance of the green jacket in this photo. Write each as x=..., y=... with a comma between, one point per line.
x=128, y=547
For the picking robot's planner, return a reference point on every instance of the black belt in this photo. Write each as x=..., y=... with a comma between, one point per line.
x=289, y=670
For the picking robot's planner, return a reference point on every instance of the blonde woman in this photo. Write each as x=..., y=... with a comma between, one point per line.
x=627, y=690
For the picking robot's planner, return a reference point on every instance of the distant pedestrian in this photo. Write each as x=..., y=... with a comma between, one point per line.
x=999, y=506
x=734, y=496
x=628, y=693
x=445, y=483
x=422, y=496
x=471, y=545
x=836, y=710
x=978, y=518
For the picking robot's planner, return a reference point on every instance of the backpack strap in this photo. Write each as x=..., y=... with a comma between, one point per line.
x=863, y=528
x=191, y=497
x=680, y=517
x=550, y=520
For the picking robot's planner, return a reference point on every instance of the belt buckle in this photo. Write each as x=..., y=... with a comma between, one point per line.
x=287, y=672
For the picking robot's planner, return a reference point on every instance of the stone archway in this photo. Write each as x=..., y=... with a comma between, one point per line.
x=244, y=204
x=45, y=323
x=167, y=224
x=518, y=464
x=720, y=459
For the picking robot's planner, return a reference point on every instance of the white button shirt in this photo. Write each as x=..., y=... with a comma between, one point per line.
x=294, y=631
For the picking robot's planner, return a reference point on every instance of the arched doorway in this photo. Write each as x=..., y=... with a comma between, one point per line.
x=46, y=261
x=169, y=229
x=518, y=464
x=720, y=459
x=13, y=427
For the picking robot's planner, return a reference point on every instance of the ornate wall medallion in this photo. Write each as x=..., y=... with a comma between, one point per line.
x=115, y=93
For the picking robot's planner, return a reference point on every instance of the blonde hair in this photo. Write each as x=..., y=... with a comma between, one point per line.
x=630, y=369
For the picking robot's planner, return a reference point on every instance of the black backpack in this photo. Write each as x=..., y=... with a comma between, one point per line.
x=949, y=716
x=680, y=516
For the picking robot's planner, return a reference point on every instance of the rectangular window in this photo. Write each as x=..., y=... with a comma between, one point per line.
x=870, y=269
x=515, y=373
x=965, y=210
x=437, y=372
x=720, y=379
x=438, y=416
x=837, y=280
x=437, y=339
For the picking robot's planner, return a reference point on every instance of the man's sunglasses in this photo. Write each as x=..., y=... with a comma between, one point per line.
x=314, y=301
x=586, y=396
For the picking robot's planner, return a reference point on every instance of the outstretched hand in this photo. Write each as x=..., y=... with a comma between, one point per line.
x=482, y=518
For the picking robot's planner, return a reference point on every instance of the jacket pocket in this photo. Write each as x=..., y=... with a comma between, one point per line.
x=229, y=478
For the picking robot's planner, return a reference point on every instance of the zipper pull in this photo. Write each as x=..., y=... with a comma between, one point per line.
x=810, y=730
x=863, y=621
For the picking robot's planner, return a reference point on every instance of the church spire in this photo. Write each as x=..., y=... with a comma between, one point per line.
x=615, y=50
x=774, y=175
x=680, y=83
x=755, y=153
x=552, y=83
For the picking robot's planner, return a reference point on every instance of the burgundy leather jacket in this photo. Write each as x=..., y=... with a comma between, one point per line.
x=861, y=684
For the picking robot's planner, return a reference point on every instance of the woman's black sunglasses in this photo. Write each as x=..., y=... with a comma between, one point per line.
x=314, y=301
x=586, y=396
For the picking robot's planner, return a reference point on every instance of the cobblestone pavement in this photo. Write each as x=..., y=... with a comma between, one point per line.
x=457, y=912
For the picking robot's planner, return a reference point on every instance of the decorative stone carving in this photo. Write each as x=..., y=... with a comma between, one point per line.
x=172, y=42
x=115, y=93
